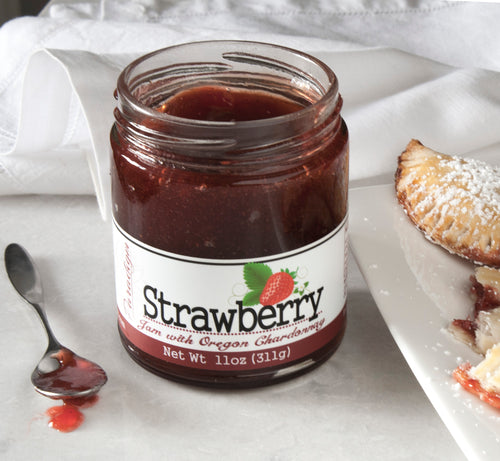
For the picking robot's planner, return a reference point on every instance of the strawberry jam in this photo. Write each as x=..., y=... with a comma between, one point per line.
x=67, y=417
x=462, y=376
x=74, y=374
x=229, y=189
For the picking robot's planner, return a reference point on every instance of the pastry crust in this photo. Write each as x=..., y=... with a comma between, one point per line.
x=454, y=201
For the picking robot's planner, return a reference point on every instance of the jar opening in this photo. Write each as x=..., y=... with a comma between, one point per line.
x=146, y=83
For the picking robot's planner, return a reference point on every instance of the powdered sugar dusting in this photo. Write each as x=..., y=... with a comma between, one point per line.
x=464, y=186
x=454, y=200
x=474, y=180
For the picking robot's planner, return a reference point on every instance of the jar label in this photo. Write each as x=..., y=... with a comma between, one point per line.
x=231, y=314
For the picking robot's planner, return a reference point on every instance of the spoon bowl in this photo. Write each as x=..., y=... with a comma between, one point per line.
x=60, y=374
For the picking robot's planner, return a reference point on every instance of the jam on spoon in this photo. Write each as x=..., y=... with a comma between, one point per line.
x=60, y=374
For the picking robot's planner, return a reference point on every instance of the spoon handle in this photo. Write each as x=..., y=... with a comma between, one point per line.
x=25, y=278
x=53, y=342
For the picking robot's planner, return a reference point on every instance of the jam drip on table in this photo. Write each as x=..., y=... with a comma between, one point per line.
x=68, y=417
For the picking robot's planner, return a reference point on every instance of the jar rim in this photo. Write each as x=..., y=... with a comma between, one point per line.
x=329, y=101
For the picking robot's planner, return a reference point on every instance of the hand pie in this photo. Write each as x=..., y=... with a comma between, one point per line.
x=454, y=201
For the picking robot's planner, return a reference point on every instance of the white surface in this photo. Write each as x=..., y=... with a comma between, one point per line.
x=363, y=404
x=419, y=288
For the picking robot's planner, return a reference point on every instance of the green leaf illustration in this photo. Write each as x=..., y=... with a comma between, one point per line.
x=251, y=298
x=256, y=275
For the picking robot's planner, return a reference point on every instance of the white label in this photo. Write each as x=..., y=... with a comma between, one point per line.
x=237, y=314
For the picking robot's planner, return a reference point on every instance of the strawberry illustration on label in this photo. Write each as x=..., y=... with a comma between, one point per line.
x=278, y=287
x=268, y=288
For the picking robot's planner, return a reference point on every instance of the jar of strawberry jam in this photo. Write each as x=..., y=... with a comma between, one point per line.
x=229, y=189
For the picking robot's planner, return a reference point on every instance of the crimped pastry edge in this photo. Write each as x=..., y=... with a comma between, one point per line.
x=472, y=252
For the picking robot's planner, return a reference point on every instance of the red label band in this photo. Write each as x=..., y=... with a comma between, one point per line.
x=227, y=360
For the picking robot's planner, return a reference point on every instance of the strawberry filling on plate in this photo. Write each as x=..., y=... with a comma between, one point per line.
x=472, y=385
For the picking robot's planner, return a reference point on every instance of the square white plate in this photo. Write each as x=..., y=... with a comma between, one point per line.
x=419, y=288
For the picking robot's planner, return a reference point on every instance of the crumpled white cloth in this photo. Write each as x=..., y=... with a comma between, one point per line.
x=427, y=70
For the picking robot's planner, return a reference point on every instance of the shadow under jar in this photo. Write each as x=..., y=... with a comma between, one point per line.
x=229, y=190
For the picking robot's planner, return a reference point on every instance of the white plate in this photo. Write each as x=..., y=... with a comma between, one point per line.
x=419, y=288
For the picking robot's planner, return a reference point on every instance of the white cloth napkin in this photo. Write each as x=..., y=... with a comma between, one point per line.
x=59, y=72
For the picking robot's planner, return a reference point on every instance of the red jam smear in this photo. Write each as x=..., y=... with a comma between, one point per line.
x=65, y=418
x=230, y=215
x=68, y=417
x=486, y=298
x=462, y=376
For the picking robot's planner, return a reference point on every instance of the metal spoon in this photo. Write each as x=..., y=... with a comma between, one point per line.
x=60, y=374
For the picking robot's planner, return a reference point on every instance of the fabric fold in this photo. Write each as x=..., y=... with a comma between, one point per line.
x=62, y=146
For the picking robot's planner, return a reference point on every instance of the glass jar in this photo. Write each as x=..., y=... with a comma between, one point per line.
x=229, y=190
